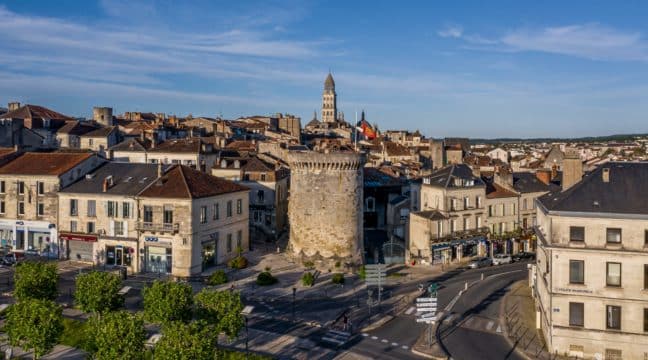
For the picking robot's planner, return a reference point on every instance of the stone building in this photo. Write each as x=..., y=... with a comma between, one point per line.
x=103, y=115
x=591, y=272
x=100, y=140
x=329, y=101
x=28, y=198
x=98, y=214
x=190, y=221
x=325, y=208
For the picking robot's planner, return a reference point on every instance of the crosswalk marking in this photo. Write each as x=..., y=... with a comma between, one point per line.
x=365, y=334
x=490, y=325
x=404, y=347
x=410, y=310
x=384, y=340
x=499, y=329
x=394, y=344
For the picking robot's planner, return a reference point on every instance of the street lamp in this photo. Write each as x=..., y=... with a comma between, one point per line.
x=245, y=312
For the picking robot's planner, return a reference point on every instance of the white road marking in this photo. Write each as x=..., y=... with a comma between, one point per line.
x=374, y=338
x=490, y=325
x=394, y=344
x=384, y=340
x=365, y=334
x=404, y=347
x=499, y=329
x=410, y=310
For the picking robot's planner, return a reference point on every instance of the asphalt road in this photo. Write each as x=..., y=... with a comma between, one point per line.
x=462, y=337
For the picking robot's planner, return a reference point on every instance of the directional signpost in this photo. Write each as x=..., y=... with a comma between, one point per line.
x=426, y=308
x=375, y=275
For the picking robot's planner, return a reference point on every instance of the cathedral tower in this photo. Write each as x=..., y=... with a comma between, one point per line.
x=329, y=100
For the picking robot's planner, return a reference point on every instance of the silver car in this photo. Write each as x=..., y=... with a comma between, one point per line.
x=480, y=262
x=500, y=259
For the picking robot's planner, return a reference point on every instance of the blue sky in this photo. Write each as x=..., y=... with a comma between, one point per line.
x=477, y=69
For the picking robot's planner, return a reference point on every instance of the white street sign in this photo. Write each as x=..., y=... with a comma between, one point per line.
x=427, y=309
x=428, y=318
x=421, y=299
x=424, y=321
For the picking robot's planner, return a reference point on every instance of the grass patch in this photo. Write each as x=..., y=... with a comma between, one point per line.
x=75, y=334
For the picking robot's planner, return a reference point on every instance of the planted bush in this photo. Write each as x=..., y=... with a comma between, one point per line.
x=308, y=279
x=166, y=301
x=239, y=262
x=265, y=278
x=36, y=280
x=338, y=278
x=217, y=278
x=309, y=265
x=98, y=292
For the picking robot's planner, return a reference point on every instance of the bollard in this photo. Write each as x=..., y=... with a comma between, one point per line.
x=466, y=285
x=482, y=276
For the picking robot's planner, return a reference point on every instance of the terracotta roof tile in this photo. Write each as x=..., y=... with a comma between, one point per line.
x=183, y=182
x=34, y=111
x=33, y=163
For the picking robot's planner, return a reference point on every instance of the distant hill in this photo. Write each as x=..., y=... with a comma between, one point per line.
x=607, y=138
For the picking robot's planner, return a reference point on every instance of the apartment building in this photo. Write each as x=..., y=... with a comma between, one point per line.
x=28, y=198
x=191, y=220
x=451, y=221
x=98, y=214
x=591, y=273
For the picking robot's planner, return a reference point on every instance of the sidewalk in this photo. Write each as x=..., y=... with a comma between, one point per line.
x=520, y=323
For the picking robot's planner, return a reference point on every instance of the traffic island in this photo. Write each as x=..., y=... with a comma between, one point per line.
x=430, y=350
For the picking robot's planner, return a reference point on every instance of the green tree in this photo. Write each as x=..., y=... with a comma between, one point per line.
x=217, y=278
x=192, y=341
x=221, y=309
x=35, y=280
x=35, y=324
x=118, y=335
x=166, y=301
x=98, y=291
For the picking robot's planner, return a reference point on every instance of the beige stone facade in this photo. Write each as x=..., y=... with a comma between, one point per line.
x=326, y=206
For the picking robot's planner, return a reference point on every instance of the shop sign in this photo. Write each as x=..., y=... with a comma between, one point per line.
x=78, y=237
x=151, y=239
x=579, y=291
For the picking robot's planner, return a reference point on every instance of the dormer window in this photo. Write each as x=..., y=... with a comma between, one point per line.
x=237, y=164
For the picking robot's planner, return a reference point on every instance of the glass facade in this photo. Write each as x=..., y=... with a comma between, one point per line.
x=158, y=259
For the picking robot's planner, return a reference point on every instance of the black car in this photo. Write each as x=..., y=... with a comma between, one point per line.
x=524, y=256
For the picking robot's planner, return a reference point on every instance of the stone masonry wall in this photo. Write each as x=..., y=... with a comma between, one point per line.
x=325, y=208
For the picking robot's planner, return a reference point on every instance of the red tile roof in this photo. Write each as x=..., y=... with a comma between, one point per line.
x=33, y=163
x=183, y=182
x=34, y=112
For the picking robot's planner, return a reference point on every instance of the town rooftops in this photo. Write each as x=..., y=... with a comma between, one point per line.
x=527, y=182
x=133, y=144
x=119, y=179
x=192, y=145
x=100, y=132
x=495, y=191
x=616, y=187
x=33, y=163
x=377, y=178
x=183, y=182
x=453, y=176
x=74, y=127
x=431, y=215
x=34, y=112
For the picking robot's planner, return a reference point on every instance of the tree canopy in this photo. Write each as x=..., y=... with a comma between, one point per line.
x=166, y=301
x=98, y=292
x=36, y=280
x=34, y=324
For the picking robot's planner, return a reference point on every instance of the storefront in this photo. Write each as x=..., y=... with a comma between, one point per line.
x=208, y=253
x=80, y=247
x=120, y=255
x=36, y=236
x=158, y=255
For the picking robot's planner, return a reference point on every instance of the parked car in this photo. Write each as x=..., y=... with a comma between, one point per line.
x=500, y=259
x=9, y=259
x=480, y=262
x=524, y=256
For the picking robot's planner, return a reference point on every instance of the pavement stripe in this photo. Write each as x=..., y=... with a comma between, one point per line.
x=410, y=310
x=365, y=334
x=384, y=340
x=404, y=347
x=374, y=338
x=394, y=344
x=490, y=325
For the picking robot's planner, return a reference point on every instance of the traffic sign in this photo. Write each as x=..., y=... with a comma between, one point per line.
x=426, y=309
x=425, y=321
x=428, y=318
x=426, y=300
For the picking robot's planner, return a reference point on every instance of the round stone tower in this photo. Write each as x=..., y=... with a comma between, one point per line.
x=103, y=115
x=325, y=207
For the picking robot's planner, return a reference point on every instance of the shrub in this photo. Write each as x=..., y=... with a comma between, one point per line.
x=166, y=301
x=362, y=273
x=36, y=280
x=221, y=309
x=308, y=279
x=217, y=278
x=338, y=278
x=196, y=340
x=265, y=278
x=338, y=264
x=98, y=292
x=268, y=268
x=239, y=262
x=76, y=334
x=309, y=265
x=34, y=324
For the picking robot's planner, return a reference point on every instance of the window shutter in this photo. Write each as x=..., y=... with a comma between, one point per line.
x=112, y=227
x=125, y=228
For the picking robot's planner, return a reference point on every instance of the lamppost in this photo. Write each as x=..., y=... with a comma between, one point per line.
x=245, y=312
x=293, y=303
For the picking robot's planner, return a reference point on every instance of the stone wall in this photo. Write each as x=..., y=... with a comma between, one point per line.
x=325, y=208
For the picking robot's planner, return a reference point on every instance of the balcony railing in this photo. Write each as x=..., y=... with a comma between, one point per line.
x=150, y=226
x=458, y=235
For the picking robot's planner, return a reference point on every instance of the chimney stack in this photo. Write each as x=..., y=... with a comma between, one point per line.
x=572, y=169
x=105, y=185
x=13, y=105
x=606, y=175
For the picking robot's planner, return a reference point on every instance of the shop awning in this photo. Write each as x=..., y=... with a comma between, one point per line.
x=77, y=237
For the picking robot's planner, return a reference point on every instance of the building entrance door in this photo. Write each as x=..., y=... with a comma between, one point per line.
x=119, y=253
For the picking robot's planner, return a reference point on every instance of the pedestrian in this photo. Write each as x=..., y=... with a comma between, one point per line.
x=345, y=320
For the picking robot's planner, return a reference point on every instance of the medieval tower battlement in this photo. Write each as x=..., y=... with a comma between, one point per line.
x=325, y=208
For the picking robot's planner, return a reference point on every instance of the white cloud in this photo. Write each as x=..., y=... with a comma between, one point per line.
x=453, y=31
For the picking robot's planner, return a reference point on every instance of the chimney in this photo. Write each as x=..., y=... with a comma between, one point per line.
x=105, y=185
x=572, y=169
x=606, y=175
x=13, y=105
x=554, y=171
x=544, y=176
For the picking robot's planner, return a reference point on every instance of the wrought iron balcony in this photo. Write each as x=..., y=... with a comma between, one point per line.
x=458, y=235
x=160, y=227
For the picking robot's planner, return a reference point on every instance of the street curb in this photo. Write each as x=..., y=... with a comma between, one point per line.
x=428, y=356
x=378, y=323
